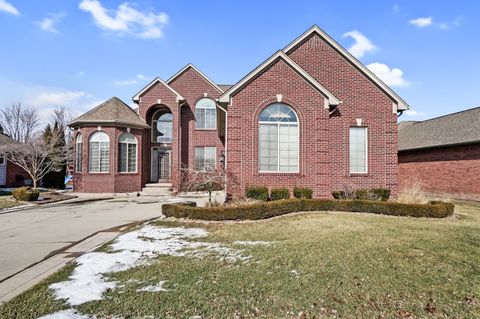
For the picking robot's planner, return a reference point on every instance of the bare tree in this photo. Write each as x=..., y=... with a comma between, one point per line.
x=38, y=156
x=206, y=181
x=62, y=117
x=19, y=122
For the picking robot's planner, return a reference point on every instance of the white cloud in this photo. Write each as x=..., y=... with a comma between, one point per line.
x=131, y=81
x=80, y=73
x=8, y=8
x=48, y=24
x=362, y=44
x=421, y=22
x=126, y=19
x=392, y=77
x=429, y=22
x=396, y=8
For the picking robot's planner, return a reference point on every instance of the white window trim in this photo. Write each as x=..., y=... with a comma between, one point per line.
x=278, y=171
x=203, y=148
x=99, y=155
x=136, y=155
x=77, y=155
x=153, y=127
x=366, y=150
x=205, y=108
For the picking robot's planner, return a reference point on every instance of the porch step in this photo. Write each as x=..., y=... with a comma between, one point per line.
x=157, y=189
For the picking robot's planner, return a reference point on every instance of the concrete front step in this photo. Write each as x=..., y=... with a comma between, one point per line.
x=156, y=185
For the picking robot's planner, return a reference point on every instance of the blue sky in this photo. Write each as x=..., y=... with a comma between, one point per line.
x=77, y=53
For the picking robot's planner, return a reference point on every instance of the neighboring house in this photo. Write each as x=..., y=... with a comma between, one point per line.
x=311, y=115
x=10, y=174
x=442, y=154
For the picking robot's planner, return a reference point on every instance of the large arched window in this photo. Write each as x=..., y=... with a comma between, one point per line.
x=162, y=123
x=205, y=114
x=99, y=153
x=78, y=153
x=127, y=153
x=278, y=139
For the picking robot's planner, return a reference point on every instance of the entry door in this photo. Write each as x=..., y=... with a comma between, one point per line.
x=161, y=165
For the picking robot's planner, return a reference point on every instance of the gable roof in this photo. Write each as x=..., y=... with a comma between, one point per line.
x=401, y=104
x=136, y=97
x=225, y=87
x=112, y=112
x=191, y=66
x=448, y=130
x=279, y=55
x=7, y=140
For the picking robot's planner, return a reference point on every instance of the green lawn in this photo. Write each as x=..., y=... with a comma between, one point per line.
x=8, y=202
x=319, y=265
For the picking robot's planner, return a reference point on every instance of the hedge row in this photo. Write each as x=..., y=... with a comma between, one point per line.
x=276, y=208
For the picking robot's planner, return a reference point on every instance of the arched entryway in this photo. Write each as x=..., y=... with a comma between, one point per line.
x=161, y=138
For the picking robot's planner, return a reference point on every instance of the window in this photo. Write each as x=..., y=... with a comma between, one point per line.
x=162, y=123
x=78, y=153
x=127, y=157
x=205, y=158
x=358, y=150
x=205, y=114
x=278, y=139
x=2, y=159
x=99, y=152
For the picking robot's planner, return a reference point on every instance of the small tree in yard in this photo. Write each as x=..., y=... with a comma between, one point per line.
x=206, y=181
x=38, y=156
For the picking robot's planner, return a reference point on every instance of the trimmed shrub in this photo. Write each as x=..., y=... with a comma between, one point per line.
x=276, y=208
x=382, y=194
x=279, y=193
x=302, y=192
x=259, y=193
x=25, y=194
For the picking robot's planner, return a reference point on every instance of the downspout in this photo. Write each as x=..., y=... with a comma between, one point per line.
x=226, y=133
x=179, y=142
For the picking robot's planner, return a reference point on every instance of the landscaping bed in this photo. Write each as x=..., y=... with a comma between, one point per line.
x=262, y=210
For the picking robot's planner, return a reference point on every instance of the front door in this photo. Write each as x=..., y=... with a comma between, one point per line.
x=161, y=165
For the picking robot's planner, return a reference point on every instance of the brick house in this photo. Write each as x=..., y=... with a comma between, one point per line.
x=311, y=115
x=11, y=175
x=442, y=154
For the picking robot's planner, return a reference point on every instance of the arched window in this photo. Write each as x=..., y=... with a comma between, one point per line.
x=127, y=153
x=205, y=114
x=99, y=153
x=162, y=123
x=78, y=153
x=278, y=139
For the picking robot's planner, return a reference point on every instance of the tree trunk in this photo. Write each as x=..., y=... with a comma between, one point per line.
x=34, y=183
x=210, y=198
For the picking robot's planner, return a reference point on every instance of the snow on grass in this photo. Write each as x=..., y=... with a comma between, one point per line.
x=66, y=314
x=89, y=279
x=154, y=288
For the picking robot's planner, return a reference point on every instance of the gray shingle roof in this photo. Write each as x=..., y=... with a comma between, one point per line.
x=112, y=112
x=452, y=129
x=6, y=140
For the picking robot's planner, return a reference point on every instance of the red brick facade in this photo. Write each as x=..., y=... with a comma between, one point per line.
x=15, y=175
x=452, y=171
x=323, y=137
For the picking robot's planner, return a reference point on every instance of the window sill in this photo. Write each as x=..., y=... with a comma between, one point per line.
x=99, y=173
x=127, y=173
x=358, y=174
x=205, y=129
x=279, y=174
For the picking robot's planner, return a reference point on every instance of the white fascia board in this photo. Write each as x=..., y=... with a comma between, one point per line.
x=136, y=97
x=401, y=104
x=176, y=75
x=225, y=98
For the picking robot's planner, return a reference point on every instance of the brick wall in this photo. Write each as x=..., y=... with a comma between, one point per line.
x=324, y=140
x=452, y=171
x=113, y=181
x=193, y=86
x=11, y=175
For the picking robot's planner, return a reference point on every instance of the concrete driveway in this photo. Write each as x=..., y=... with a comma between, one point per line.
x=30, y=235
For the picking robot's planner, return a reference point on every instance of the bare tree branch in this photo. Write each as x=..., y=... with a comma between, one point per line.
x=19, y=122
x=38, y=156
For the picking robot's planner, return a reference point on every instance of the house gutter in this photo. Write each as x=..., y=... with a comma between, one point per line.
x=226, y=132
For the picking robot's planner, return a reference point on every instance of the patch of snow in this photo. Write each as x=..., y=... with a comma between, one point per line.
x=252, y=242
x=89, y=279
x=295, y=273
x=153, y=288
